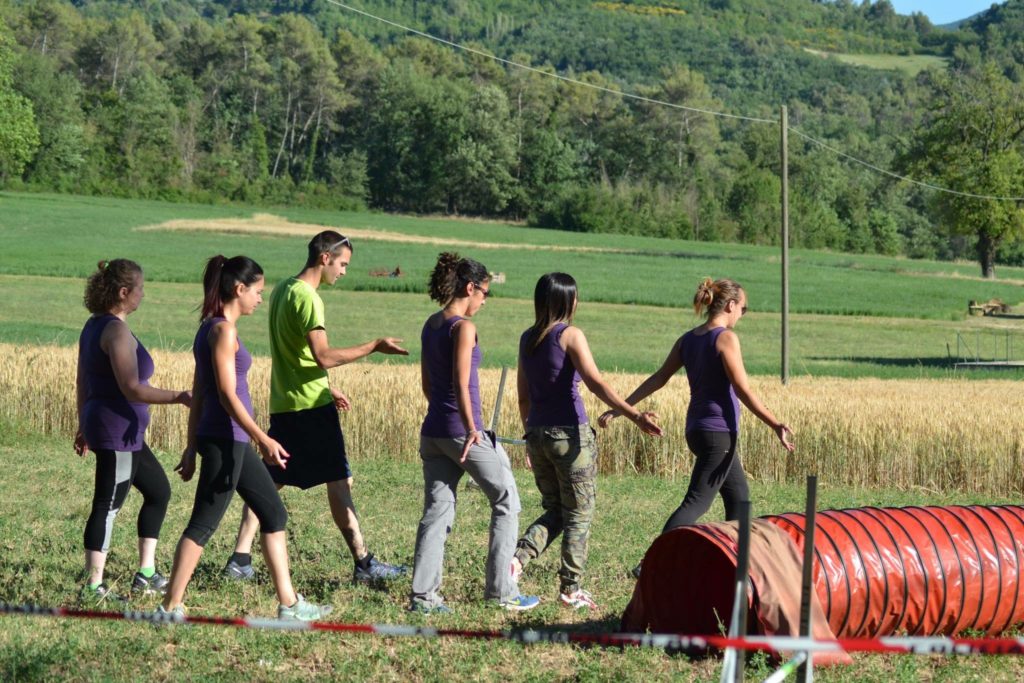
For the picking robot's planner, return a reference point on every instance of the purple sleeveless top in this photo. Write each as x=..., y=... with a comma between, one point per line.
x=110, y=421
x=443, y=419
x=214, y=421
x=713, y=403
x=553, y=380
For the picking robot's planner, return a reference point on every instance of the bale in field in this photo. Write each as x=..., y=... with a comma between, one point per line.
x=718, y=382
x=304, y=407
x=221, y=425
x=560, y=443
x=452, y=442
x=113, y=397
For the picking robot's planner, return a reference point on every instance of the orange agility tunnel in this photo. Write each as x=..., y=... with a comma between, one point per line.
x=878, y=571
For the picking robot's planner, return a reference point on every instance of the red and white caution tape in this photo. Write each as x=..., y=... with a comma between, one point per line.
x=937, y=645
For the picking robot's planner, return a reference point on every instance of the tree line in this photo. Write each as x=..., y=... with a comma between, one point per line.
x=298, y=101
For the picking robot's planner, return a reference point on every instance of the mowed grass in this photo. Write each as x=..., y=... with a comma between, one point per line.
x=852, y=315
x=75, y=232
x=46, y=499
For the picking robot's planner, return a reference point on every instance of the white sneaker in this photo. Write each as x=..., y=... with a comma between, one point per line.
x=578, y=599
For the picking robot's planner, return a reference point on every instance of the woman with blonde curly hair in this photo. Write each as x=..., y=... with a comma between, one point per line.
x=718, y=384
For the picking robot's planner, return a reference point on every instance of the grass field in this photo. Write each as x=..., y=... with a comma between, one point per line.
x=46, y=499
x=909, y=64
x=852, y=315
x=878, y=413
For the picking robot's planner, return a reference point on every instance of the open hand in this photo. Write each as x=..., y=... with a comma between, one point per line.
x=472, y=438
x=390, y=346
x=781, y=430
x=274, y=453
x=648, y=423
x=340, y=400
x=184, y=398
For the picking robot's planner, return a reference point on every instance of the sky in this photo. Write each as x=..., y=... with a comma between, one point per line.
x=942, y=11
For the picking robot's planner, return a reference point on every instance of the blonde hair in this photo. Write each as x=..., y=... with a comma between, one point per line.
x=713, y=295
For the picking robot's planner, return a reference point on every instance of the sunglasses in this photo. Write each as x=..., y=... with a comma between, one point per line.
x=485, y=292
x=343, y=242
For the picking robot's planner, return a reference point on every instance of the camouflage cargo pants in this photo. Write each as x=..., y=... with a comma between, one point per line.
x=565, y=469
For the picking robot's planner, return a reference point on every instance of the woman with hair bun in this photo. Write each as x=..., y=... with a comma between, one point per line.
x=220, y=426
x=718, y=383
x=452, y=442
x=113, y=397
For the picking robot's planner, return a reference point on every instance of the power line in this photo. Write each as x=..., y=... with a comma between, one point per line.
x=673, y=105
x=897, y=176
x=560, y=77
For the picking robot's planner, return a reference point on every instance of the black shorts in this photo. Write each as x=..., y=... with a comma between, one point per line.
x=316, y=445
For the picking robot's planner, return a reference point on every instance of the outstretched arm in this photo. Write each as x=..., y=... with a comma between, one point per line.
x=673, y=362
x=728, y=345
x=579, y=351
x=327, y=357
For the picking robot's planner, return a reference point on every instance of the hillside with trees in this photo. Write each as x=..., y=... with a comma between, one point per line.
x=304, y=101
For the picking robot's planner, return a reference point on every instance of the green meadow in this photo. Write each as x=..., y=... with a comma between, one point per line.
x=909, y=64
x=851, y=315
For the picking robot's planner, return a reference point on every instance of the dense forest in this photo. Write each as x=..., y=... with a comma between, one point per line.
x=304, y=101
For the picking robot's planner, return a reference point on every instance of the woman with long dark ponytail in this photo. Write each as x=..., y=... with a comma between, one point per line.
x=453, y=443
x=554, y=358
x=220, y=427
x=113, y=396
x=718, y=383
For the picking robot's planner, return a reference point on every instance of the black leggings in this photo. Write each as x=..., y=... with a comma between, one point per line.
x=717, y=470
x=228, y=466
x=116, y=472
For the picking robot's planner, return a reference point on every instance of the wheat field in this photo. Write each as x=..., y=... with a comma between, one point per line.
x=935, y=435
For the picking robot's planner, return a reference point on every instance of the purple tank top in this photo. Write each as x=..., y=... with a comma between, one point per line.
x=109, y=420
x=713, y=403
x=214, y=421
x=553, y=380
x=443, y=419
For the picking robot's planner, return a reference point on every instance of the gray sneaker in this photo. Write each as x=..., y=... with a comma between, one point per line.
x=99, y=595
x=302, y=610
x=424, y=608
x=177, y=614
x=378, y=571
x=239, y=572
x=154, y=584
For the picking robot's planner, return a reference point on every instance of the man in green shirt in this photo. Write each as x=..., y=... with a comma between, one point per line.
x=304, y=407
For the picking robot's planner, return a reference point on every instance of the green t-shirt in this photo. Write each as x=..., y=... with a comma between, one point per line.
x=296, y=381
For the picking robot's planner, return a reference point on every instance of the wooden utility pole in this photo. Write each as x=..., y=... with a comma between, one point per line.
x=784, y=131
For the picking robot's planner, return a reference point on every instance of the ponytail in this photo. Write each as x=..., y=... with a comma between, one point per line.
x=713, y=295
x=451, y=273
x=219, y=280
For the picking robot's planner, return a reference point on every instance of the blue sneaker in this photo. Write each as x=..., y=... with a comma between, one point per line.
x=302, y=610
x=520, y=603
x=378, y=571
x=239, y=572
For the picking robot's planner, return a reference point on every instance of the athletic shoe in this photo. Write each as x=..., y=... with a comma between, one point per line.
x=578, y=599
x=239, y=572
x=154, y=584
x=99, y=595
x=520, y=603
x=302, y=611
x=424, y=608
x=635, y=571
x=378, y=571
x=175, y=614
x=515, y=569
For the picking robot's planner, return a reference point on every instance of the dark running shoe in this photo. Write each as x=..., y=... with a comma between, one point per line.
x=239, y=572
x=377, y=572
x=146, y=586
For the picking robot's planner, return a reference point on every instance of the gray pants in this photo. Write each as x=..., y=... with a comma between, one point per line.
x=489, y=466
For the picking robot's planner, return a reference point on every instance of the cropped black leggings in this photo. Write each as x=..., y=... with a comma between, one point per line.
x=228, y=466
x=717, y=470
x=116, y=473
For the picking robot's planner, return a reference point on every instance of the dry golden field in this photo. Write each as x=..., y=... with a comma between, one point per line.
x=940, y=435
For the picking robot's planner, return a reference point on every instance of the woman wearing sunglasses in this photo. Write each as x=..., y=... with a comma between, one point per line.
x=718, y=384
x=452, y=442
